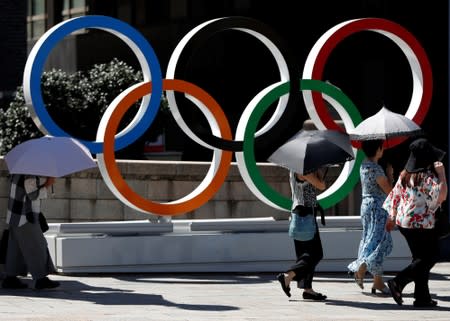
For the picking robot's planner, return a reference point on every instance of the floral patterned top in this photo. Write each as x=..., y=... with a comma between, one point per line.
x=414, y=207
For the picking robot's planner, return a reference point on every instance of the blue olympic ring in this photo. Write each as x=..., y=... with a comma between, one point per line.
x=140, y=47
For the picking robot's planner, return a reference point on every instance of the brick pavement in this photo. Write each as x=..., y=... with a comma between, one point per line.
x=207, y=297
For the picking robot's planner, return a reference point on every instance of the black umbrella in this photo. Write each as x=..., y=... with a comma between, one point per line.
x=309, y=150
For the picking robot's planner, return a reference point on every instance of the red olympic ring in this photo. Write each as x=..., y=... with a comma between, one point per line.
x=411, y=47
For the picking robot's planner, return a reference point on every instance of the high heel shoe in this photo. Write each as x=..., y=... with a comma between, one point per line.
x=384, y=291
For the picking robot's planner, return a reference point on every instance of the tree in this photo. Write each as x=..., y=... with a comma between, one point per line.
x=76, y=102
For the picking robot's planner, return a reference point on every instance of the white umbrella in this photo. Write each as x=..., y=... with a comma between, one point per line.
x=309, y=150
x=49, y=156
x=383, y=125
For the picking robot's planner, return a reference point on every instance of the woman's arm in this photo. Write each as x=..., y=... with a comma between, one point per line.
x=384, y=184
x=35, y=189
x=385, y=181
x=391, y=202
x=443, y=190
x=314, y=180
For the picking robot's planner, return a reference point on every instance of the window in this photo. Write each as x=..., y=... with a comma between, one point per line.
x=74, y=8
x=36, y=18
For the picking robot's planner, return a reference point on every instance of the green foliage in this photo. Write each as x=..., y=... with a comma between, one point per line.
x=16, y=124
x=76, y=103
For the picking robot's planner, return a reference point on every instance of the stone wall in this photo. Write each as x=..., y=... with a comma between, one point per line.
x=84, y=197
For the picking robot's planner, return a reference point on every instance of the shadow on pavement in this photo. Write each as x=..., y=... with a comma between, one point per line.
x=380, y=306
x=209, y=278
x=77, y=291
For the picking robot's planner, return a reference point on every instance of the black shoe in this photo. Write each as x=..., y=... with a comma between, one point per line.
x=45, y=283
x=13, y=282
x=395, y=292
x=286, y=289
x=314, y=296
x=425, y=304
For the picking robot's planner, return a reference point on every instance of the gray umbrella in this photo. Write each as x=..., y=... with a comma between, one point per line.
x=309, y=150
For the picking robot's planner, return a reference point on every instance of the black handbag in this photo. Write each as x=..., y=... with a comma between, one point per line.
x=43, y=223
x=4, y=246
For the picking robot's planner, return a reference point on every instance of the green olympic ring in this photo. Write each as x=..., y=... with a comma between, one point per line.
x=251, y=174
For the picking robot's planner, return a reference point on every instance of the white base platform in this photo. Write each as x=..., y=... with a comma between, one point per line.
x=229, y=245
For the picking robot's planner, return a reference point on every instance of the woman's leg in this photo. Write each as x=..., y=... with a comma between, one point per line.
x=405, y=276
x=423, y=244
x=33, y=247
x=361, y=272
x=315, y=250
x=299, y=251
x=15, y=263
x=425, y=254
x=378, y=282
x=295, y=272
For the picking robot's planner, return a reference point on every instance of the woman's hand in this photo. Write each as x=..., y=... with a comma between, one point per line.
x=49, y=182
x=440, y=170
x=390, y=224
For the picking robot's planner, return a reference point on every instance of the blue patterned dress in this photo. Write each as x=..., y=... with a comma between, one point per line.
x=376, y=242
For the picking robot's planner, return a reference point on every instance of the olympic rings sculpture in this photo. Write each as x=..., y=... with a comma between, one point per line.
x=314, y=91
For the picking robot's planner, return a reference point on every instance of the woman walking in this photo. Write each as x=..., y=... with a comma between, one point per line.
x=376, y=242
x=27, y=248
x=418, y=193
x=308, y=246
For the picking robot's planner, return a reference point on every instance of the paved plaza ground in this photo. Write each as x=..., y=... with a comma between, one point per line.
x=207, y=297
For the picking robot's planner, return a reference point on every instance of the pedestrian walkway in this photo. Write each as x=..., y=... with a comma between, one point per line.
x=207, y=297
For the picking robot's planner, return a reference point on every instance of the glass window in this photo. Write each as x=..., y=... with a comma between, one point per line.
x=38, y=27
x=74, y=8
x=78, y=3
x=38, y=7
x=66, y=5
x=37, y=18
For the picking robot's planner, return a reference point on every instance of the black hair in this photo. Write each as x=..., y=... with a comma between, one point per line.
x=370, y=147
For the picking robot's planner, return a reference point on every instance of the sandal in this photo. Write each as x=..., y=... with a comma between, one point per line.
x=395, y=292
x=286, y=289
x=359, y=281
x=384, y=291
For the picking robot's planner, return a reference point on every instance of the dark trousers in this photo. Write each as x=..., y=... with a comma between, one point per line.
x=28, y=251
x=309, y=254
x=423, y=244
